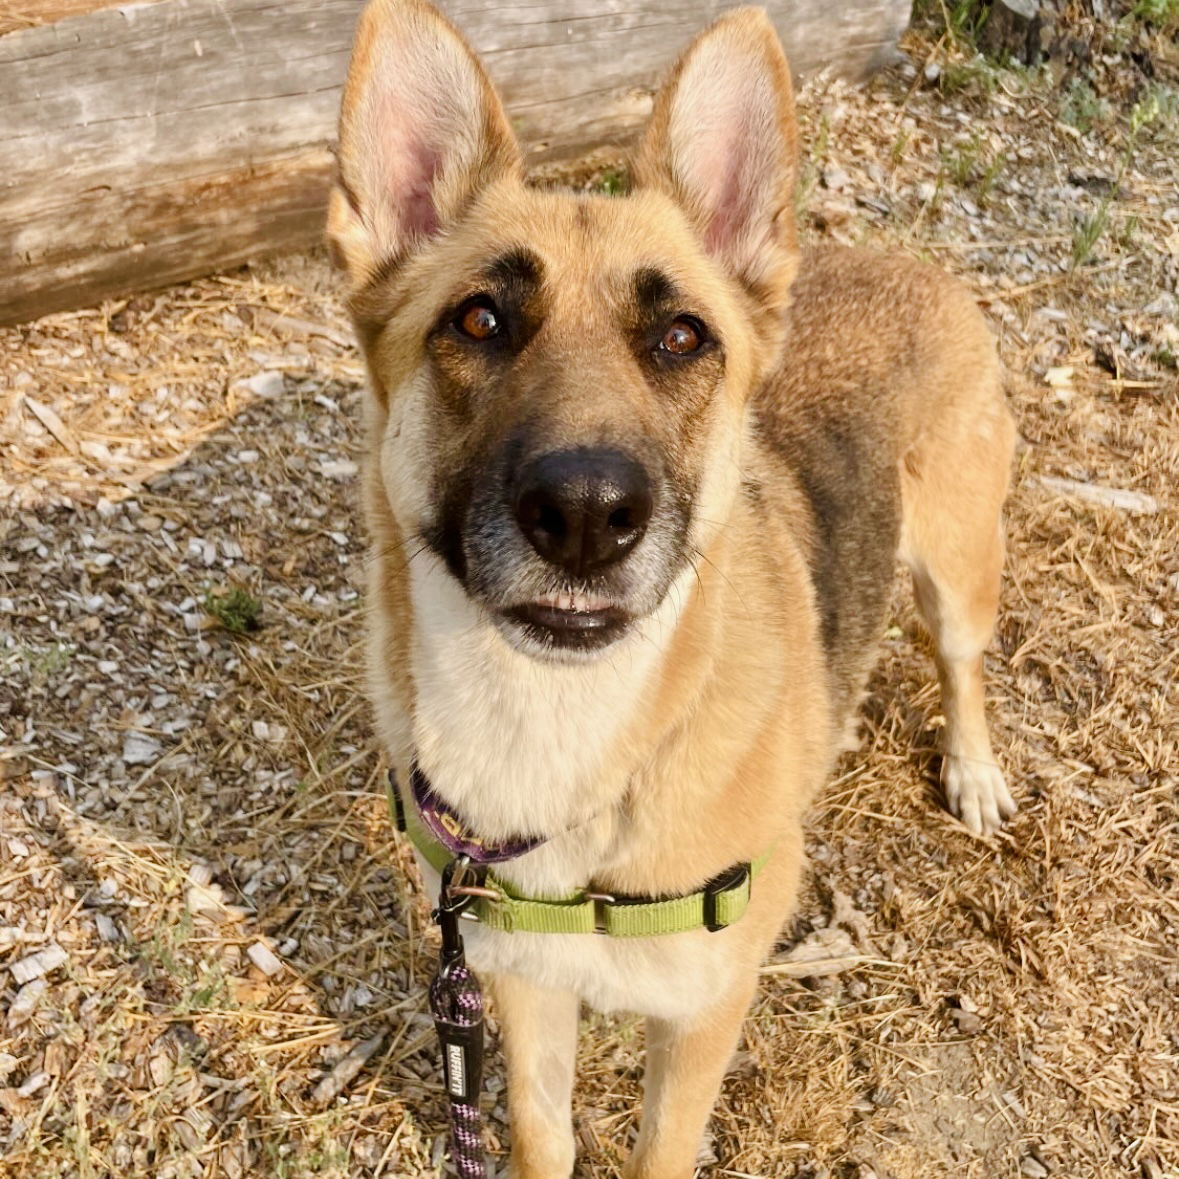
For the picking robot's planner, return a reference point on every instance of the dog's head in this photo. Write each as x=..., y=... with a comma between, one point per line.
x=560, y=381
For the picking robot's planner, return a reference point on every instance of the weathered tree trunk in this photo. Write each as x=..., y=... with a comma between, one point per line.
x=1013, y=29
x=149, y=143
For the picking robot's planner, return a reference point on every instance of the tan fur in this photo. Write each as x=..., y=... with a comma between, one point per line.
x=695, y=742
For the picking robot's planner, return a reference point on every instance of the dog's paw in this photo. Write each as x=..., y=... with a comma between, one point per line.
x=977, y=793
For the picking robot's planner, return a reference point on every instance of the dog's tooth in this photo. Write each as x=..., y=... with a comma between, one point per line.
x=581, y=603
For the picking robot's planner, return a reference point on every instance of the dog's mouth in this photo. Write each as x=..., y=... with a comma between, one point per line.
x=573, y=621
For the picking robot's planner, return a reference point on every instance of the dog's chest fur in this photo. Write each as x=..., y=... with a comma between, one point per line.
x=522, y=746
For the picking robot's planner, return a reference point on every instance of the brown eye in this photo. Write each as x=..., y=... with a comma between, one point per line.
x=478, y=320
x=684, y=337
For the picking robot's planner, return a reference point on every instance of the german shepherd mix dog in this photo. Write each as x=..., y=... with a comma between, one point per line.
x=640, y=469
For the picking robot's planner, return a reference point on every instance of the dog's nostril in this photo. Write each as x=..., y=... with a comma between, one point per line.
x=621, y=520
x=538, y=514
x=550, y=519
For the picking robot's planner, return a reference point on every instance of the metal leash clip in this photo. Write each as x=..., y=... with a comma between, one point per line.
x=447, y=913
x=456, y=1000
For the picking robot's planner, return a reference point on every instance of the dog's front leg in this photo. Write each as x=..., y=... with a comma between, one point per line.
x=686, y=1062
x=540, y=1047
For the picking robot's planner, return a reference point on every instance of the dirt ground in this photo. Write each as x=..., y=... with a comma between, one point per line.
x=212, y=953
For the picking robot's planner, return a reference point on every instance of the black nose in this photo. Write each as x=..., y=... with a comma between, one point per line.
x=583, y=509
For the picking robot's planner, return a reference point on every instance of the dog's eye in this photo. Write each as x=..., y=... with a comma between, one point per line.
x=478, y=319
x=683, y=337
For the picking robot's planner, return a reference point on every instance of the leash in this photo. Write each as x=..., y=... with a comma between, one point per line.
x=470, y=890
x=456, y=1003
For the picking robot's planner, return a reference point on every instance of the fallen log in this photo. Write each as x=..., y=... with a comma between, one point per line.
x=149, y=143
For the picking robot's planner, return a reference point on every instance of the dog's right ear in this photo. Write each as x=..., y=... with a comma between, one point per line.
x=422, y=131
x=722, y=142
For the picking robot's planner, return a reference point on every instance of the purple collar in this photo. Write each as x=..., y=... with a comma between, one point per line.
x=452, y=832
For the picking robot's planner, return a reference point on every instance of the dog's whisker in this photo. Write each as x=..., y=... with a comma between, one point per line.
x=725, y=577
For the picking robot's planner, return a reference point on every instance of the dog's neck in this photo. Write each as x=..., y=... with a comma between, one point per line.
x=520, y=746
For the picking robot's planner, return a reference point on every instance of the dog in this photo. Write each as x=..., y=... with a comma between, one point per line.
x=640, y=468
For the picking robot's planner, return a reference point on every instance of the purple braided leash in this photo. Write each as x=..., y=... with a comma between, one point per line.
x=456, y=1002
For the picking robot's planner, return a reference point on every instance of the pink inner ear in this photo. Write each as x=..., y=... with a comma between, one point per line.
x=727, y=150
x=728, y=205
x=413, y=189
x=406, y=157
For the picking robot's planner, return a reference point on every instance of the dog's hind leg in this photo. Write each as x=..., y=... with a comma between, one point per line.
x=953, y=485
x=540, y=1047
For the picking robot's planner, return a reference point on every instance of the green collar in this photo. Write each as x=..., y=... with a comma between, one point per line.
x=719, y=904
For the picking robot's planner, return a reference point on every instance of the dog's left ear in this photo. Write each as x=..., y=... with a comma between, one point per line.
x=723, y=143
x=422, y=132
